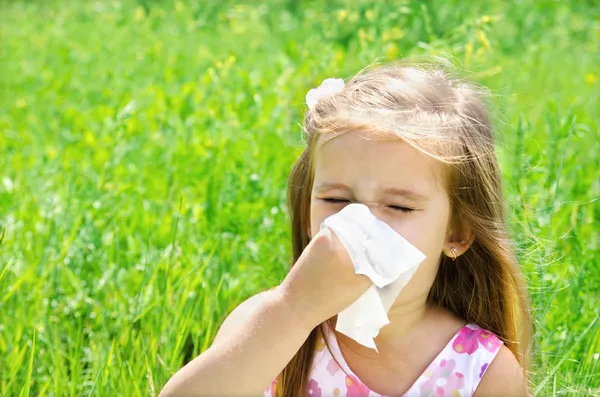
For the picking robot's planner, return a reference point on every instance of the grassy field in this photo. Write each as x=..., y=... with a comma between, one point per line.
x=145, y=146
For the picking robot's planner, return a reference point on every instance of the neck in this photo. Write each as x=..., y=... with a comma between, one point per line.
x=405, y=317
x=406, y=321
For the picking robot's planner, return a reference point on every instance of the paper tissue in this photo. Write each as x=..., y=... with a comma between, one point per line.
x=383, y=255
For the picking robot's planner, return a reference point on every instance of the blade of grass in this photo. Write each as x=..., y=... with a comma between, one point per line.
x=555, y=368
x=27, y=385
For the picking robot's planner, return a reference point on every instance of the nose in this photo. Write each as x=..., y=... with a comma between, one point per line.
x=374, y=206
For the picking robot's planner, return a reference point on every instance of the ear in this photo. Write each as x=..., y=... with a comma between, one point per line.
x=458, y=242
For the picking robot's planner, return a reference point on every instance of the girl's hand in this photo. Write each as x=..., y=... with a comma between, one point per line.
x=322, y=282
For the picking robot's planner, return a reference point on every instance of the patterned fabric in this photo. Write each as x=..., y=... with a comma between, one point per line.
x=455, y=372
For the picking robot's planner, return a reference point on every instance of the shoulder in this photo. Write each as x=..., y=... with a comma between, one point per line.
x=503, y=378
x=239, y=315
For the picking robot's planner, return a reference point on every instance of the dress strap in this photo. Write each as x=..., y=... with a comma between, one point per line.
x=459, y=367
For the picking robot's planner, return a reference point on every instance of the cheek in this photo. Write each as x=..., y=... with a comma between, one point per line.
x=425, y=229
x=318, y=212
x=427, y=233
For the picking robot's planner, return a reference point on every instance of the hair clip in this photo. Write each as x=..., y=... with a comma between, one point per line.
x=327, y=88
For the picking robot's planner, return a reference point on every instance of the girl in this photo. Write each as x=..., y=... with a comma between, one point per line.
x=415, y=145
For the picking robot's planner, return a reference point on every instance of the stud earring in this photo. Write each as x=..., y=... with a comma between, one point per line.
x=454, y=252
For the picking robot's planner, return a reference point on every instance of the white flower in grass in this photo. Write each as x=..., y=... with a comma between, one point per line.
x=327, y=88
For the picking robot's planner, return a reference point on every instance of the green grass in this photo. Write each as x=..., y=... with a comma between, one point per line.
x=144, y=151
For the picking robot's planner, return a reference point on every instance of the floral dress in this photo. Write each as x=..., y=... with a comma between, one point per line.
x=455, y=372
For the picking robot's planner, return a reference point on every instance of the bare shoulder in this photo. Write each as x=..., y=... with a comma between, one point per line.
x=239, y=315
x=503, y=378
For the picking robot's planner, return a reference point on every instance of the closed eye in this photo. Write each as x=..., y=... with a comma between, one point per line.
x=345, y=201
x=403, y=209
x=335, y=200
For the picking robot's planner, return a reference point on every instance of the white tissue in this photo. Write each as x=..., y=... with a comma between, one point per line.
x=383, y=255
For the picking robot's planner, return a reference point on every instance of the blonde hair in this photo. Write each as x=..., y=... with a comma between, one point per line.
x=446, y=118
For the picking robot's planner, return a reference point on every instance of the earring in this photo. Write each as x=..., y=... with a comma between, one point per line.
x=454, y=252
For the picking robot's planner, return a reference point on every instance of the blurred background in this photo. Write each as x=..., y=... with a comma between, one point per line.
x=145, y=146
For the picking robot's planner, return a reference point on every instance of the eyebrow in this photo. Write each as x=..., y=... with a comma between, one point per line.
x=391, y=191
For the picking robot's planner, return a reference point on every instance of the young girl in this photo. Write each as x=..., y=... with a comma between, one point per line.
x=415, y=145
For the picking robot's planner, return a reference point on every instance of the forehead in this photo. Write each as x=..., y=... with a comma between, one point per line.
x=360, y=159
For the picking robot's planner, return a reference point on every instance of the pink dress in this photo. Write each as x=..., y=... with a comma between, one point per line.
x=455, y=372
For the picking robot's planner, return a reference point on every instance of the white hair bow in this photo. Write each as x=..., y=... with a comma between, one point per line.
x=327, y=88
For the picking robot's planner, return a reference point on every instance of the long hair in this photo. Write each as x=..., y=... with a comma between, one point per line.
x=447, y=118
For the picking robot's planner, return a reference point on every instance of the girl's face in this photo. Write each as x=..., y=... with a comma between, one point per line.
x=401, y=186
